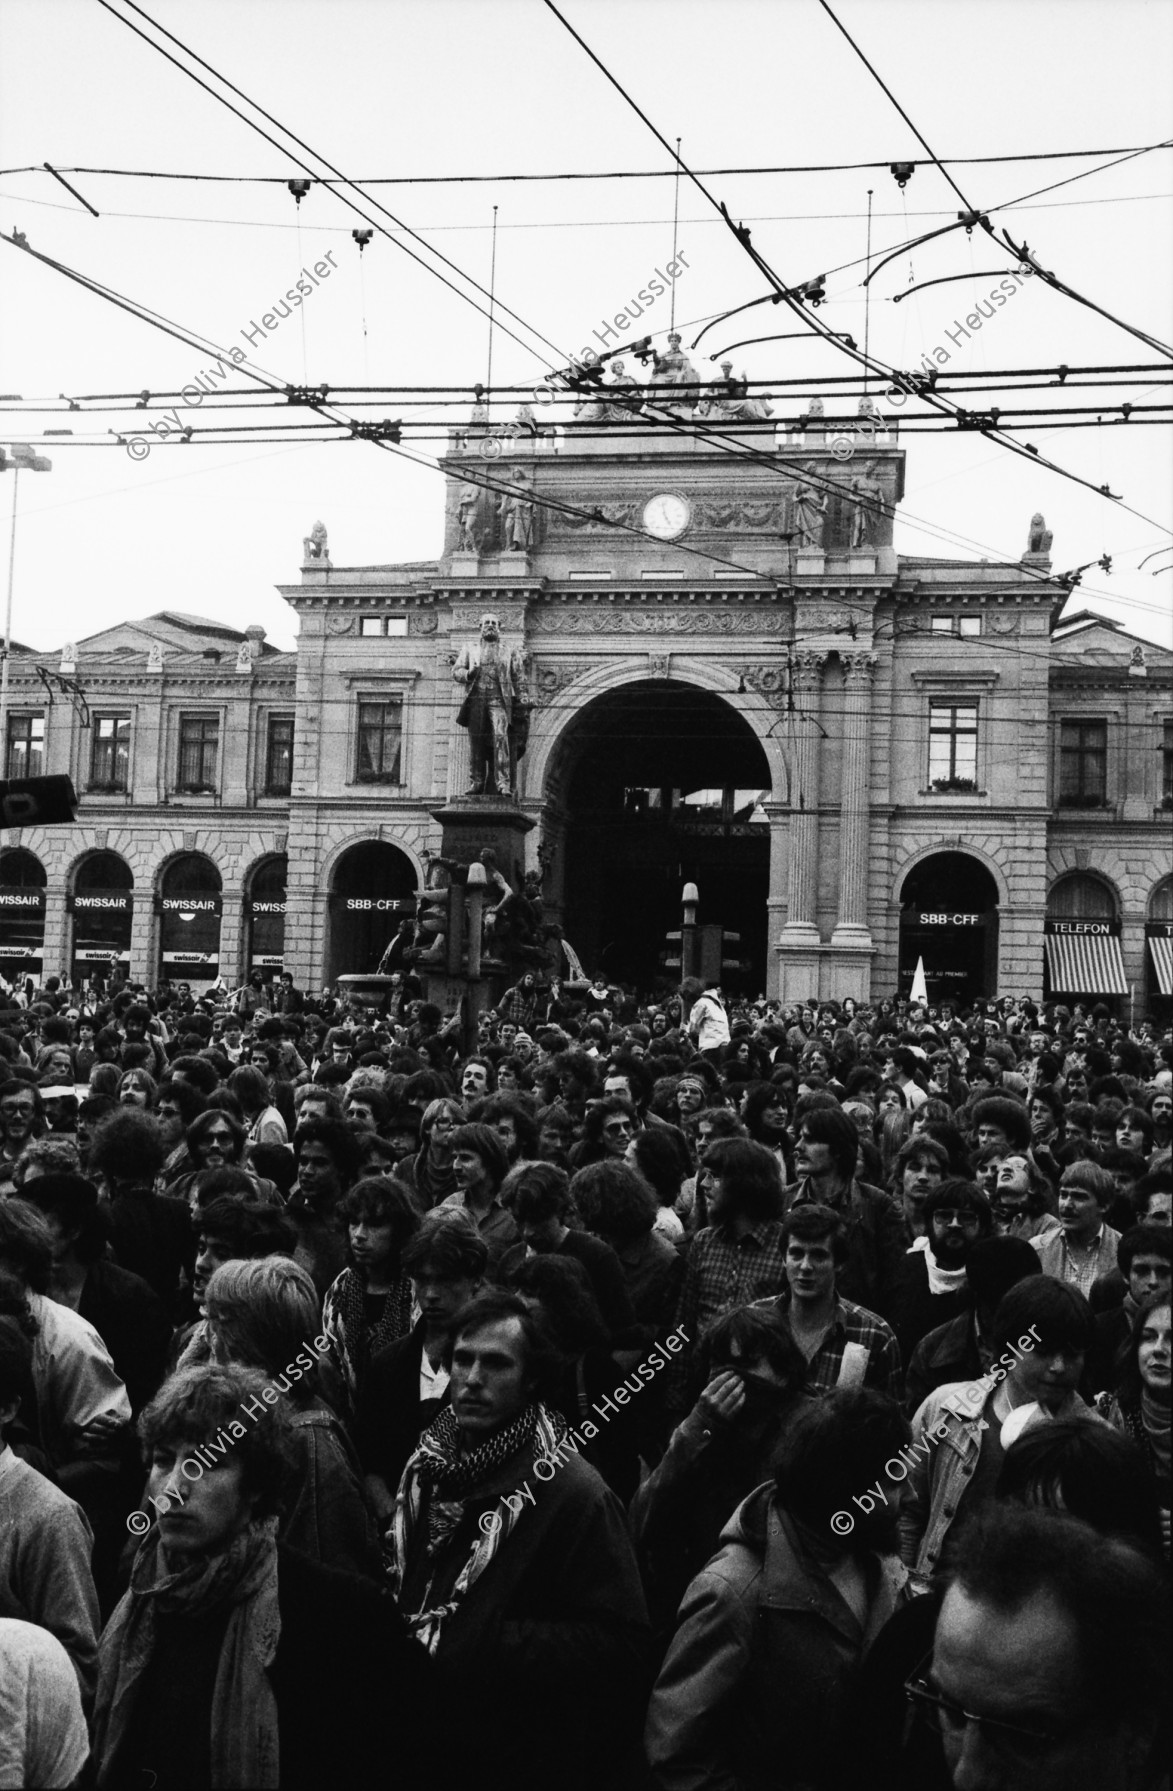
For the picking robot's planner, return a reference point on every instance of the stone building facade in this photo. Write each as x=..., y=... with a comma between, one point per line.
x=861, y=758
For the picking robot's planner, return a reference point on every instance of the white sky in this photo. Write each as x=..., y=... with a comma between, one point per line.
x=425, y=87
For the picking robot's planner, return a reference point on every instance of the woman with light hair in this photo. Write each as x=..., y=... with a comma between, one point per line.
x=266, y=1314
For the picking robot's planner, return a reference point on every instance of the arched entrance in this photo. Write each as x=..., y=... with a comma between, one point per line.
x=102, y=906
x=1159, y=950
x=1083, y=956
x=949, y=917
x=22, y=914
x=665, y=785
x=264, y=908
x=189, y=932
x=372, y=889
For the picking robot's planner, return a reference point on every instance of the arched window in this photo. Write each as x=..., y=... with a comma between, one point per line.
x=102, y=906
x=22, y=914
x=189, y=931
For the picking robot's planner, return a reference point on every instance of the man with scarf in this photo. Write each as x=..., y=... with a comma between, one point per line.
x=232, y=1661
x=513, y=1568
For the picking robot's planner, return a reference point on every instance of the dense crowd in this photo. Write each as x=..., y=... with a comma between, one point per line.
x=698, y=1395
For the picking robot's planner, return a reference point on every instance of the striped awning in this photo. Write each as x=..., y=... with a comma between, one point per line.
x=1085, y=964
x=1161, y=952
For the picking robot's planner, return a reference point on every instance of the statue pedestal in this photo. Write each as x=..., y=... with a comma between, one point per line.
x=471, y=823
x=510, y=565
x=809, y=562
x=464, y=565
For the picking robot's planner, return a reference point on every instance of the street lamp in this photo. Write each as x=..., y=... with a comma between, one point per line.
x=23, y=460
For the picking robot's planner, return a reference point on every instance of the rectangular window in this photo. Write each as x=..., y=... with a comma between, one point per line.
x=1083, y=764
x=371, y=625
x=1167, y=766
x=953, y=746
x=110, y=752
x=940, y=624
x=26, y=746
x=199, y=746
x=380, y=737
x=279, y=756
x=968, y=626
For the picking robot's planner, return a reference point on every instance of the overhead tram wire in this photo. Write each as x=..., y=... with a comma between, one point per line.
x=1022, y=253
x=269, y=383
x=284, y=150
x=789, y=295
x=413, y=180
x=459, y=393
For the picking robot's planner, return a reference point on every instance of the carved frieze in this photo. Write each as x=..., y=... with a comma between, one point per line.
x=423, y=621
x=661, y=620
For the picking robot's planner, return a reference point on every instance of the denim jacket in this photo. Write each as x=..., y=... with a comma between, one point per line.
x=946, y=1442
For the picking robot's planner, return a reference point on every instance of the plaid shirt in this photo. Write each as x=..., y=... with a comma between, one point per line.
x=851, y=1324
x=723, y=1271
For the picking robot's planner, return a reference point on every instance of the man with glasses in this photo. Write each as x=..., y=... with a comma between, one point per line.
x=1050, y=1663
x=20, y=1121
x=929, y=1286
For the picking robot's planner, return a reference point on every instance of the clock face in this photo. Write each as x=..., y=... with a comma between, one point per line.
x=666, y=516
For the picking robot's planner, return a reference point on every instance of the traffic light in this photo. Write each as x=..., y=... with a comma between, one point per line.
x=37, y=802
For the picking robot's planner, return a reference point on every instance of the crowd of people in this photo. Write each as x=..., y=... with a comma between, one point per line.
x=686, y=1395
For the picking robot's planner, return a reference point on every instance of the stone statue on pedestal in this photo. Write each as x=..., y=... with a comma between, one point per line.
x=809, y=515
x=729, y=398
x=867, y=499
x=670, y=371
x=495, y=709
x=1040, y=535
x=516, y=511
x=314, y=545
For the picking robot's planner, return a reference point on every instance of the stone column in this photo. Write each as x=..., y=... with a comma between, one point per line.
x=803, y=866
x=851, y=927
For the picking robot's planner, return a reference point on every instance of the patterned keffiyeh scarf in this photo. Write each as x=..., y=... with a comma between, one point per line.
x=449, y=1477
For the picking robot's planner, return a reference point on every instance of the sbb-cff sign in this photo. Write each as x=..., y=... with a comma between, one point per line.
x=37, y=802
x=950, y=920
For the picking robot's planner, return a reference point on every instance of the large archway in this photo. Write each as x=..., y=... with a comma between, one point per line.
x=664, y=785
x=949, y=918
x=371, y=890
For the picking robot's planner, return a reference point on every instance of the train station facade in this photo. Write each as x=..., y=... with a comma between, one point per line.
x=859, y=757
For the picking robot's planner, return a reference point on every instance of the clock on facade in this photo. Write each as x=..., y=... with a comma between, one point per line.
x=666, y=515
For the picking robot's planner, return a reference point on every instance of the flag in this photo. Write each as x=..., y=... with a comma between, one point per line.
x=920, y=990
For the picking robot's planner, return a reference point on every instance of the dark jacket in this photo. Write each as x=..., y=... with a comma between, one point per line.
x=133, y=1323
x=876, y=1243
x=153, y=1237
x=356, y=1696
x=543, y=1659
x=913, y=1310
x=950, y=1353
x=389, y=1416
x=758, y=1680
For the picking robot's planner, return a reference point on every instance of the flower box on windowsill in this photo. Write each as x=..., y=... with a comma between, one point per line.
x=953, y=786
x=195, y=789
